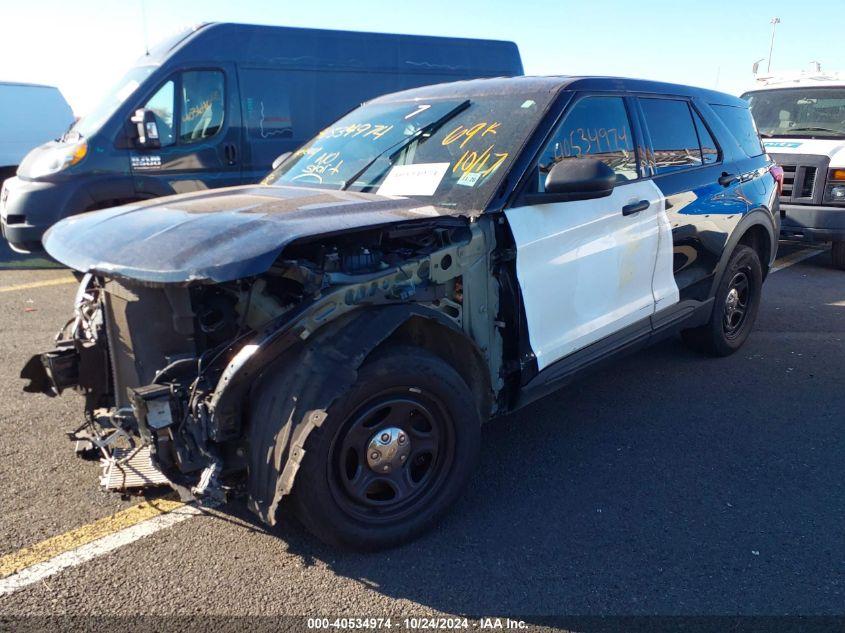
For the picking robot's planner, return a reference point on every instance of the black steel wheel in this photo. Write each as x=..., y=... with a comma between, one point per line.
x=735, y=306
x=392, y=455
x=737, y=302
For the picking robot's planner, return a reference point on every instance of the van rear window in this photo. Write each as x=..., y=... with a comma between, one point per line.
x=740, y=123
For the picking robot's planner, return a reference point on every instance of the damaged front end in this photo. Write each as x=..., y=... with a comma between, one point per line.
x=166, y=368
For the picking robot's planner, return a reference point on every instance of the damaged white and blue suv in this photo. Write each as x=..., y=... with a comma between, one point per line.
x=335, y=336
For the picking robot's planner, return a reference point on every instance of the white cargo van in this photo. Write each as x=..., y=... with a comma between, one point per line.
x=801, y=117
x=30, y=114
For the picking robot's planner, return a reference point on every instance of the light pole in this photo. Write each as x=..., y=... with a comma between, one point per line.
x=774, y=22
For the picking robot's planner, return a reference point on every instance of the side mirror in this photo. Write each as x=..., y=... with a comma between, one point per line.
x=145, y=123
x=580, y=179
x=280, y=159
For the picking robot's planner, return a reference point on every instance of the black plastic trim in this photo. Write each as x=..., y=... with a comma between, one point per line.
x=636, y=336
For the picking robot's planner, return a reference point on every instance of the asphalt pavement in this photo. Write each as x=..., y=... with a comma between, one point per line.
x=666, y=484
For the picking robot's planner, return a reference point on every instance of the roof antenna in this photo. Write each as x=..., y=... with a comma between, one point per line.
x=144, y=24
x=774, y=22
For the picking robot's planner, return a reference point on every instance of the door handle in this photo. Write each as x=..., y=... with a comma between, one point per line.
x=635, y=207
x=727, y=179
x=231, y=153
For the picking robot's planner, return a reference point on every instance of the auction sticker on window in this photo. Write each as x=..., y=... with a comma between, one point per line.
x=413, y=180
x=469, y=179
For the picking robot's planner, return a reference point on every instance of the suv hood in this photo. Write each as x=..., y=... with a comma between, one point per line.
x=218, y=235
x=834, y=148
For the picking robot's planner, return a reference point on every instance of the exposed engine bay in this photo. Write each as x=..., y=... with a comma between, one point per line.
x=165, y=369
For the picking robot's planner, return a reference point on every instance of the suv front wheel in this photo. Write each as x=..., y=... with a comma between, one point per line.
x=394, y=452
x=735, y=308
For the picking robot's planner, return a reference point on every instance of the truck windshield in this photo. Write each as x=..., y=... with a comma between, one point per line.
x=806, y=112
x=91, y=122
x=449, y=152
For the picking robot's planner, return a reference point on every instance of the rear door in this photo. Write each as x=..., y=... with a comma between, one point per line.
x=703, y=190
x=586, y=268
x=197, y=113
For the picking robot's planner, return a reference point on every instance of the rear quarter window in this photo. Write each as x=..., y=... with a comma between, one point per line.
x=741, y=125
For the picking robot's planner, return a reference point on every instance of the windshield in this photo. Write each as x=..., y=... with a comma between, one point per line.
x=806, y=112
x=449, y=152
x=91, y=122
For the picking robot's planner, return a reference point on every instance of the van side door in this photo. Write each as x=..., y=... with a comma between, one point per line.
x=585, y=267
x=702, y=206
x=197, y=112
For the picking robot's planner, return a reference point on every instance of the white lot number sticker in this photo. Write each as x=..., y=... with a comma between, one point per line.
x=413, y=180
x=469, y=179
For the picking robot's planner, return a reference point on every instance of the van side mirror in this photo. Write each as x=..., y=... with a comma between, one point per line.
x=145, y=123
x=280, y=159
x=580, y=179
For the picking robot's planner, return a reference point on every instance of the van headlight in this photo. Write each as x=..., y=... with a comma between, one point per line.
x=56, y=159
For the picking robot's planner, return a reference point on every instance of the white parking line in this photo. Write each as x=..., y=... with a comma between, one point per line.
x=795, y=258
x=83, y=553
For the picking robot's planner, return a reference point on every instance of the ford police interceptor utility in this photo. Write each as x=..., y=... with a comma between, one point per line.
x=338, y=333
x=801, y=118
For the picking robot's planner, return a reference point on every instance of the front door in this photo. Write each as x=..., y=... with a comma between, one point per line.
x=197, y=113
x=585, y=269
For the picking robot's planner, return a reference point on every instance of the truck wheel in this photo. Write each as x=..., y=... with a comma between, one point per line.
x=734, y=309
x=393, y=453
x=837, y=253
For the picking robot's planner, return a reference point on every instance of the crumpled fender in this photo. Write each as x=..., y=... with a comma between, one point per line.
x=336, y=350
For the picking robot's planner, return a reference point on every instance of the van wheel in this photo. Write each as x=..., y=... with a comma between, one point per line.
x=735, y=307
x=837, y=253
x=393, y=453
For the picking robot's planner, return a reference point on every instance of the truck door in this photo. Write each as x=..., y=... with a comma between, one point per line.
x=585, y=267
x=197, y=112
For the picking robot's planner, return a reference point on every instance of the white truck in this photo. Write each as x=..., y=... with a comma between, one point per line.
x=801, y=117
x=30, y=115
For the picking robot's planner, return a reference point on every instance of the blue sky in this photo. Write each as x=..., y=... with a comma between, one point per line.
x=84, y=45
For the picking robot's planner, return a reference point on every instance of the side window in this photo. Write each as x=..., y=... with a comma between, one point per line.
x=739, y=121
x=595, y=127
x=709, y=149
x=203, y=105
x=161, y=105
x=673, y=136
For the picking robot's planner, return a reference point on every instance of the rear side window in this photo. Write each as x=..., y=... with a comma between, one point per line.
x=674, y=139
x=741, y=125
x=709, y=149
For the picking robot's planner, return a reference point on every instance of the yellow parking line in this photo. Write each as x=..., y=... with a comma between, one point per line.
x=40, y=284
x=795, y=258
x=52, y=547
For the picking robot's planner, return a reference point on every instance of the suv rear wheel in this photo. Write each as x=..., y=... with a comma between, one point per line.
x=393, y=453
x=735, y=308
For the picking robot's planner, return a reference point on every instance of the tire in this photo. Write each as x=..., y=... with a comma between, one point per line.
x=414, y=411
x=733, y=313
x=837, y=253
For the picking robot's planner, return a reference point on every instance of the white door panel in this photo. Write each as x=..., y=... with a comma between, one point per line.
x=587, y=271
x=665, y=289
